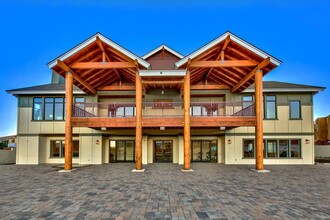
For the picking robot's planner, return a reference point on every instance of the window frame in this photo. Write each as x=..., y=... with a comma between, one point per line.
x=266, y=117
x=290, y=110
x=42, y=108
x=62, y=149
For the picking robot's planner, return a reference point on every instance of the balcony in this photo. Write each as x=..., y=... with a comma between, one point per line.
x=168, y=114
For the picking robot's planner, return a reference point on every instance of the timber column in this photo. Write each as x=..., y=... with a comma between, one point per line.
x=259, y=125
x=186, y=135
x=138, y=132
x=68, y=121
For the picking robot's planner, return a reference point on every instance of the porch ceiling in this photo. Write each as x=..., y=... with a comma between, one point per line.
x=98, y=63
x=228, y=61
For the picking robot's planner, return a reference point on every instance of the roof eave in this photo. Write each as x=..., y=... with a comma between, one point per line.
x=234, y=38
x=91, y=40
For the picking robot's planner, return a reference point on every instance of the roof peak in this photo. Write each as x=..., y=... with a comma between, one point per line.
x=157, y=49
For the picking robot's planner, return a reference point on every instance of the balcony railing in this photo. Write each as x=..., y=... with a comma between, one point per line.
x=163, y=109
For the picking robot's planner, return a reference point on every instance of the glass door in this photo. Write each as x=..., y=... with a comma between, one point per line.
x=125, y=151
x=163, y=151
x=204, y=151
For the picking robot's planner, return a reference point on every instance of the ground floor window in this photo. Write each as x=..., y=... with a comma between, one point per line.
x=274, y=148
x=204, y=151
x=57, y=148
x=122, y=151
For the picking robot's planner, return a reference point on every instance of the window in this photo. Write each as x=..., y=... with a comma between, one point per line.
x=248, y=148
x=295, y=109
x=204, y=151
x=247, y=101
x=59, y=109
x=49, y=108
x=270, y=107
x=57, y=148
x=274, y=148
x=79, y=102
x=37, y=109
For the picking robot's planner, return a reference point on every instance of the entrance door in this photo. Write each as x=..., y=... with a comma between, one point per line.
x=124, y=151
x=163, y=151
x=204, y=151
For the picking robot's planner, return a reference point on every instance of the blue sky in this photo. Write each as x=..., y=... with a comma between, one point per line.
x=35, y=32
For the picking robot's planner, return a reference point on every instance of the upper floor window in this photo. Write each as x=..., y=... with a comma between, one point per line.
x=247, y=101
x=295, y=109
x=37, y=108
x=270, y=107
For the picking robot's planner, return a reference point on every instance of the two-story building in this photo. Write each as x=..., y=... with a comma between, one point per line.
x=106, y=105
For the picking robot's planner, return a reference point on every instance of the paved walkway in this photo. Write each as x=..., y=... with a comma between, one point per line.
x=213, y=191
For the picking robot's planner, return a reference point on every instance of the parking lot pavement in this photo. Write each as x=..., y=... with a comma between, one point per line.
x=213, y=191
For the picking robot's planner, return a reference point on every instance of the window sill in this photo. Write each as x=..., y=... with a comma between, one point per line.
x=270, y=119
x=295, y=119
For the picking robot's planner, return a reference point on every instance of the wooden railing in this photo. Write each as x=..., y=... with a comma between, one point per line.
x=164, y=109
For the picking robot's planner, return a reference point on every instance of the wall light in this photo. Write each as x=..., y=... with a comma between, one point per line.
x=307, y=141
x=97, y=142
x=229, y=141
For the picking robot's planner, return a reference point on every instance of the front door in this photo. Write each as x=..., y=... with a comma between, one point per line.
x=163, y=151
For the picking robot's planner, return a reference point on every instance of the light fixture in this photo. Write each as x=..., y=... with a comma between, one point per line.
x=229, y=141
x=162, y=128
x=97, y=142
x=162, y=92
x=307, y=141
x=103, y=129
x=222, y=128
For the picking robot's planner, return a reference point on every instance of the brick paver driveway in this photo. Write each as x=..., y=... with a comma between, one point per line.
x=213, y=191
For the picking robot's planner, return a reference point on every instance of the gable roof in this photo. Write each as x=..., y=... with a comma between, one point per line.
x=233, y=38
x=177, y=54
x=92, y=39
x=275, y=86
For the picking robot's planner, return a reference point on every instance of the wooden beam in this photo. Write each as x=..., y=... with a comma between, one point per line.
x=68, y=119
x=259, y=120
x=209, y=87
x=224, y=46
x=226, y=63
x=64, y=67
x=99, y=43
x=186, y=129
x=117, y=88
x=162, y=82
x=138, y=131
x=100, y=65
x=261, y=65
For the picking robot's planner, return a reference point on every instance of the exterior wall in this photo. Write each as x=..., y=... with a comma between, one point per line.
x=234, y=151
x=34, y=136
x=8, y=156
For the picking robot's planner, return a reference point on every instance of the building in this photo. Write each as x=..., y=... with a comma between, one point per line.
x=208, y=106
x=322, y=130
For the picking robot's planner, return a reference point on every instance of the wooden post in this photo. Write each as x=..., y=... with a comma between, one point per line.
x=138, y=132
x=259, y=119
x=186, y=107
x=68, y=119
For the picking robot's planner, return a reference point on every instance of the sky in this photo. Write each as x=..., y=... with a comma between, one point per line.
x=36, y=32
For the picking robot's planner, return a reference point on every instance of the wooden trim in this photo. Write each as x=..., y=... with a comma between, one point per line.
x=138, y=134
x=64, y=67
x=99, y=43
x=226, y=43
x=261, y=65
x=117, y=88
x=102, y=65
x=162, y=82
x=225, y=63
x=259, y=122
x=209, y=87
x=68, y=120
x=186, y=129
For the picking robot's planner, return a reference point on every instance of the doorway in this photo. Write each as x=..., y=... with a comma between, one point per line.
x=204, y=151
x=122, y=151
x=163, y=151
